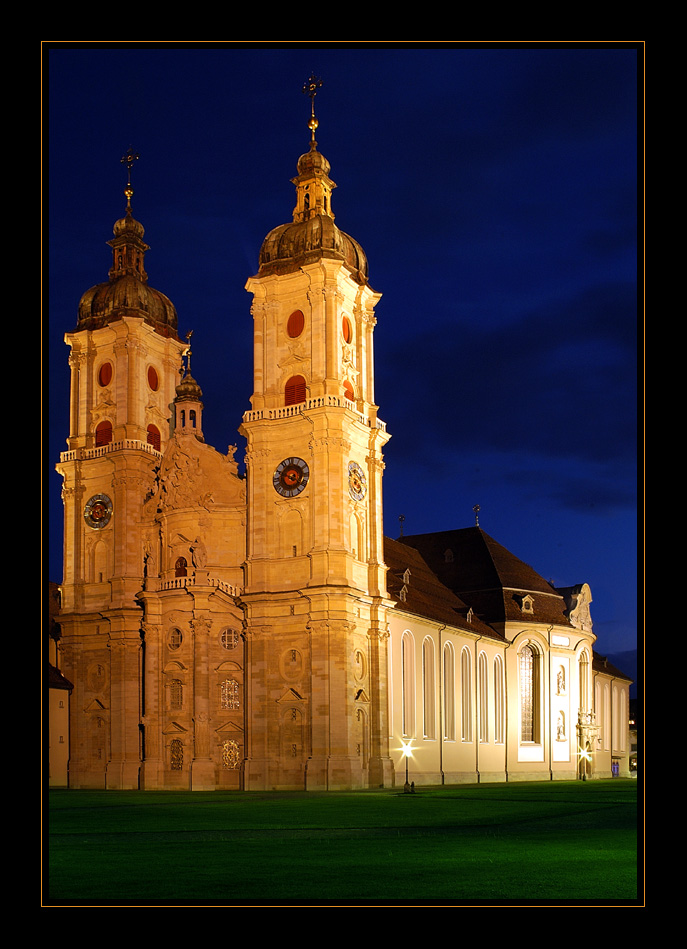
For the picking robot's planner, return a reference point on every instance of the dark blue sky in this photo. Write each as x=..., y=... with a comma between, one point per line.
x=495, y=192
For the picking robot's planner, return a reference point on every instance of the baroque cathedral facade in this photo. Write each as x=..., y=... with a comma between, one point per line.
x=225, y=631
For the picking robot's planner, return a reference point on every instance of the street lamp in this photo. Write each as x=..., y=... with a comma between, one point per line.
x=406, y=751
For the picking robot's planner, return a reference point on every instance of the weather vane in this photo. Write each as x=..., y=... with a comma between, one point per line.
x=476, y=509
x=310, y=88
x=187, y=352
x=401, y=519
x=128, y=160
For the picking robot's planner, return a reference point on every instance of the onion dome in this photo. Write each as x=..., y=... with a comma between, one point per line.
x=312, y=234
x=188, y=389
x=127, y=292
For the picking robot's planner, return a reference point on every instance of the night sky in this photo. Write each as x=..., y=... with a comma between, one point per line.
x=495, y=192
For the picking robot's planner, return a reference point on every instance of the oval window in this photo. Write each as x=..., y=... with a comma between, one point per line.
x=295, y=324
x=105, y=374
x=153, y=380
x=347, y=329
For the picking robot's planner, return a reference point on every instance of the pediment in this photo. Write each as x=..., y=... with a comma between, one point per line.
x=174, y=728
x=230, y=729
x=95, y=706
x=291, y=695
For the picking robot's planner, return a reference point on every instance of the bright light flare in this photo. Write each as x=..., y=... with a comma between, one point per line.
x=406, y=748
x=584, y=755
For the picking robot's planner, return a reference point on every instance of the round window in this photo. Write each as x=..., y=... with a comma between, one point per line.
x=347, y=329
x=153, y=380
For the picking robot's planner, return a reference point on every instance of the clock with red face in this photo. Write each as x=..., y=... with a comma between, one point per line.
x=98, y=511
x=290, y=477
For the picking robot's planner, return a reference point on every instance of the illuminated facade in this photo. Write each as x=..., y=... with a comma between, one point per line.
x=257, y=631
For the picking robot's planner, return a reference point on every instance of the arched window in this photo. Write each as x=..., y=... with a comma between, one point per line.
x=348, y=391
x=483, y=685
x=499, y=701
x=294, y=391
x=180, y=567
x=466, y=695
x=408, y=684
x=583, y=674
x=103, y=433
x=529, y=694
x=428, y=688
x=176, y=694
x=449, y=693
x=154, y=437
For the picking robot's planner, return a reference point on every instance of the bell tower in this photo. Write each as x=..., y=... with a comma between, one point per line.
x=315, y=597
x=125, y=360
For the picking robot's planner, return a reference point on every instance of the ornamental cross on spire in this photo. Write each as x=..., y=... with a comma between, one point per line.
x=128, y=160
x=310, y=88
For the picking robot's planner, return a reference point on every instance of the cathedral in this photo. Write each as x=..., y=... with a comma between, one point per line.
x=221, y=630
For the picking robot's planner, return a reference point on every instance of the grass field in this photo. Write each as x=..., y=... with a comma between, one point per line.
x=561, y=843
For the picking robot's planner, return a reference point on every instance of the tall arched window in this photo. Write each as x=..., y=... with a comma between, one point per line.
x=294, y=391
x=466, y=695
x=103, y=433
x=180, y=567
x=529, y=694
x=176, y=694
x=499, y=702
x=408, y=684
x=428, y=689
x=583, y=673
x=449, y=693
x=483, y=686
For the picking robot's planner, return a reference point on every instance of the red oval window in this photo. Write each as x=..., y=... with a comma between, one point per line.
x=153, y=380
x=105, y=374
x=295, y=324
x=346, y=329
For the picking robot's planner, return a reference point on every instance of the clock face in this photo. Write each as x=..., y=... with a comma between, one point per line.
x=357, y=486
x=290, y=477
x=98, y=511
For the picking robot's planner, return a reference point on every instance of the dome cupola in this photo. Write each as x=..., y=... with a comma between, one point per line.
x=127, y=292
x=312, y=234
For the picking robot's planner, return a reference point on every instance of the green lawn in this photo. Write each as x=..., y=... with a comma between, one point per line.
x=561, y=843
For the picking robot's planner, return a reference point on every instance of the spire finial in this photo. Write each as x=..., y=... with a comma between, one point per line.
x=476, y=509
x=187, y=352
x=128, y=160
x=401, y=519
x=310, y=88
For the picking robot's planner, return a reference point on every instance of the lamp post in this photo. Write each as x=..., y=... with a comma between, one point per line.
x=406, y=751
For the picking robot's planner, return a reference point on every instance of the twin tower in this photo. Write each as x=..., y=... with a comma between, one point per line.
x=224, y=631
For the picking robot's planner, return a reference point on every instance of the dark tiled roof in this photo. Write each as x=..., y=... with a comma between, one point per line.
x=601, y=664
x=488, y=577
x=56, y=680
x=425, y=595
